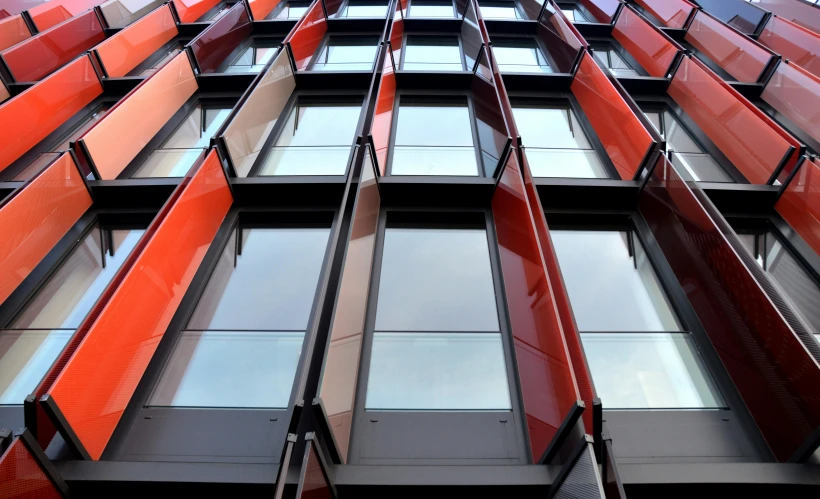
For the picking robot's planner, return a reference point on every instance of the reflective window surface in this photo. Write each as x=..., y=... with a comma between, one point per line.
x=243, y=342
x=170, y=54
x=315, y=140
x=555, y=144
x=499, y=10
x=574, y=15
x=290, y=10
x=342, y=53
x=611, y=283
x=426, y=53
x=520, y=56
x=683, y=151
x=252, y=60
x=38, y=334
x=434, y=140
x=432, y=9
x=182, y=148
x=354, y=9
x=611, y=59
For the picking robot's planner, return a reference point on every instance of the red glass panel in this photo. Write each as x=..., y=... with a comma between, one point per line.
x=562, y=42
x=221, y=38
x=13, y=30
x=50, y=50
x=795, y=93
x=22, y=476
x=29, y=117
x=773, y=372
x=799, y=205
x=544, y=367
x=262, y=8
x=94, y=388
x=795, y=43
x=313, y=482
x=749, y=139
x=603, y=10
x=306, y=36
x=386, y=98
x=128, y=48
x=54, y=12
x=672, y=13
x=735, y=53
x=653, y=50
x=798, y=12
x=625, y=139
x=191, y=10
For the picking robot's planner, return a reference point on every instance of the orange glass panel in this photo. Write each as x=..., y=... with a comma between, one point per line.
x=254, y=121
x=4, y=92
x=261, y=8
x=653, y=50
x=191, y=10
x=672, y=13
x=44, y=53
x=13, y=30
x=544, y=368
x=127, y=128
x=736, y=54
x=29, y=117
x=603, y=10
x=562, y=40
x=624, y=138
x=800, y=203
x=96, y=384
x=306, y=36
x=798, y=12
x=54, y=12
x=22, y=476
x=749, y=139
x=383, y=119
x=36, y=217
x=127, y=49
x=795, y=43
x=340, y=375
x=795, y=93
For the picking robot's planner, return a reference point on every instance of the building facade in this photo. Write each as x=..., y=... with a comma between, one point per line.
x=385, y=248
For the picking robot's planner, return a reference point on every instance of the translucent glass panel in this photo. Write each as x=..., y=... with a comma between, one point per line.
x=38, y=334
x=346, y=54
x=437, y=344
x=611, y=283
x=574, y=15
x=315, y=140
x=244, y=339
x=431, y=9
x=520, y=56
x=612, y=60
x=252, y=60
x=799, y=288
x=358, y=9
x=185, y=145
x=434, y=140
x=648, y=371
x=686, y=154
x=499, y=10
x=427, y=53
x=555, y=143
x=290, y=10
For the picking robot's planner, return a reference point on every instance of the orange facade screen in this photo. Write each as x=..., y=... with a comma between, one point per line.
x=54, y=12
x=306, y=36
x=651, y=48
x=191, y=10
x=127, y=49
x=672, y=13
x=795, y=43
x=13, y=30
x=22, y=476
x=37, y=216
x=799, y=205
x=751, y=141
x=96, y=384
x=29, y=117
x=261, y=8
x=127, y=128
x=795, y=93
x=624, y=138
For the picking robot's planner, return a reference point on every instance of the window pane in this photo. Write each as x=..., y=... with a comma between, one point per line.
x=302, y=146
x=700, y=166
x=648, y=371
x=161, y=62
x=609, y=58
x=293, y=10
x=573, y=15
x=437, y=371
x=409, y=160
x=431, y=9
x=432, y=54
x=434, y=140
x=520, y=57
x=68, y=295
x=436, y=280
x=609, y=288
x=499, y=10
x=230, y=369
x=25, y=356
x=550, y=127
x=269, y=285
x=345, y=54
x=572, y=163
x=253, y=60
x=364, y=10
x=168, y=163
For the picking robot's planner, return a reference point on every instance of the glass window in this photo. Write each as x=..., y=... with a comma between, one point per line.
x=220, y=11
x=683, y=151
x=611, y=59
x=344, y=53
x=425, y=53
x=162, y=60
x=39, y=333
x=798, y=286
x=252, y=60
x=432, y=9
x=180, y=151
x=555, y=143
x=574, y=15
x=315, y=140
x=242, y=344
x=520, y=56
x=437, y=343
x=364, y=9
x=499, y=10
x=290, y=10
x=434, y=140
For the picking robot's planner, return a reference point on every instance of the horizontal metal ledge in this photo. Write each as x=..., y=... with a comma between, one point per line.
x=594, y=30
x=132, y=193
x=279, y=27
x=167, y=472
x=537, y=82
x=720, y=473
x=436, y=191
